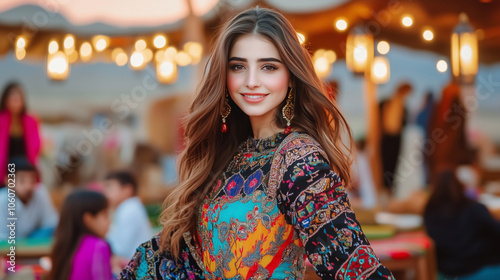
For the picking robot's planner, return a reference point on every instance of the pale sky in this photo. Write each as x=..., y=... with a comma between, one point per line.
x=117, y=12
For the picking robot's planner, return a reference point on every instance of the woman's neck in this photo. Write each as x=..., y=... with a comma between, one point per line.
x=264, y=126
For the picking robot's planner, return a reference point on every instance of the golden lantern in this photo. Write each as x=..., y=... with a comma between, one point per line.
x=166, y=71
x=58, y=66
x=464, y=60
x=381, y=71
x=359, y=51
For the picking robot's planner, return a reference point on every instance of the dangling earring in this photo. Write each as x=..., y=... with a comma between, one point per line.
x=288, y=111
x=226, y=109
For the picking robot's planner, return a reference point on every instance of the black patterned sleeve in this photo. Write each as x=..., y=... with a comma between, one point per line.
x=314, y=201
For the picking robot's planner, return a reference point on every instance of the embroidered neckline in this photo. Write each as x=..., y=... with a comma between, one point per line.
x=262, y=144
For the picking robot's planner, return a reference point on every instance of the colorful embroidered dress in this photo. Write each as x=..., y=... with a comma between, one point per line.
x=259, y=223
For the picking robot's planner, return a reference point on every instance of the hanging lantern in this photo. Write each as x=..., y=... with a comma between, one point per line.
x=381, y=71
x=359, y=51
x=58, y=66
x=166, y=71
x=464, y=60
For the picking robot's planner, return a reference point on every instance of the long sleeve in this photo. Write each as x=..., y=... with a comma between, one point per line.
x=314, y=201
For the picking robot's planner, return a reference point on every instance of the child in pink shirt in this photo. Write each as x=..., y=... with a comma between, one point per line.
x=80, y=250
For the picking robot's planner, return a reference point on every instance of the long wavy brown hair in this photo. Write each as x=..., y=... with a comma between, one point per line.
x=208, y=149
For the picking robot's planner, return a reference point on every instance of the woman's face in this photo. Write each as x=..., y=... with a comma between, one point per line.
x=15, y=101
x=257, y=79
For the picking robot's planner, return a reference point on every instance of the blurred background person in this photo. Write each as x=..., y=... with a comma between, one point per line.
x=19, y=134
x=423, y=120
x=80, y=250
x=130, y=223
x=393, y=118
x=464, y=232
x=34, y=210
x=448, y=130
x=363, y=191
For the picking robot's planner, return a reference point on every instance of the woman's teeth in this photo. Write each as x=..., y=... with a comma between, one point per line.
x=254, y=96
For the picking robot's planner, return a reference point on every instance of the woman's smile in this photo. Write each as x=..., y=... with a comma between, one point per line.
x=254, y=97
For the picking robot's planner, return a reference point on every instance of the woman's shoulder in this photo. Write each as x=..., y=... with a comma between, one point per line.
x=300, y=143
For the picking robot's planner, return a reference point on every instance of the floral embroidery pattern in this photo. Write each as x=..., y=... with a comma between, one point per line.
x=259, y=223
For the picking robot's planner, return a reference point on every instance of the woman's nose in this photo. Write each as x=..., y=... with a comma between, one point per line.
x=252, y=80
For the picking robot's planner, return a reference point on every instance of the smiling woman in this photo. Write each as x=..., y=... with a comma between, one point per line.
x=266, y=191
x=257, y=81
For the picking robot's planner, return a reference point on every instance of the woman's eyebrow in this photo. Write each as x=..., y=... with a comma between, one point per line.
x=267, y=59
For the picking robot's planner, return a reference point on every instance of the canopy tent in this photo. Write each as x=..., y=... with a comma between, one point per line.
x=314, y=18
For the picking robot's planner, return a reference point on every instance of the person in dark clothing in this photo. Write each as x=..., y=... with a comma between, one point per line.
x=423, y=120
x=465, y=233
x=392, y=122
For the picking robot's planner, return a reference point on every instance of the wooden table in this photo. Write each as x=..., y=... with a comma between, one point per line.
x=28, y=248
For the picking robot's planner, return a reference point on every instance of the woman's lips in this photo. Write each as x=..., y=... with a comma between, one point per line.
x=254, y=97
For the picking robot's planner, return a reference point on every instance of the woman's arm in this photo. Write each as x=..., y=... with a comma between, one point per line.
x=314, y=201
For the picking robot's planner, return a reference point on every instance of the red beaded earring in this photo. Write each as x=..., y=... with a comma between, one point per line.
x=288, y=111
x=226, y=109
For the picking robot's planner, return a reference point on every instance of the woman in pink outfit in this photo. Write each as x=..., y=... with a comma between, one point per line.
x=18, y=131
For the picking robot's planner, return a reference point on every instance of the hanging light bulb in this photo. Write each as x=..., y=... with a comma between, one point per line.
x=100, y=42
x=359, y=51
x=86, y=51
x=160, y=41
x=380, y=72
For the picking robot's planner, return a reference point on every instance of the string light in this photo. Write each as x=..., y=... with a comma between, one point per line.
x=58, y=66
x=383, y=47
x=69, y=42
x=86, y=51
x=137, y=59
x=428, y=35
x=442, y=66
x=20, y=42
x=182, y=58
x=380, y=70
x=53, y=47
x=100, y=42
x=341, y=24
x=140, y=45
x=407, y=21
x=160, y=41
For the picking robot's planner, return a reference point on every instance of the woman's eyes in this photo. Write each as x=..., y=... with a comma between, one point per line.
x=267, y=67
x=270, y=67
x=237, y=67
